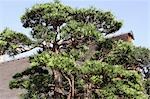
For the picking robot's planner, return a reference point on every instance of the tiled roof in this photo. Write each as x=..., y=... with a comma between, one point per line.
x=122, y=36
x=7, y=70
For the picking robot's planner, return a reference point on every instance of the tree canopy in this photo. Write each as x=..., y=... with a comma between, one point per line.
x=76, y=60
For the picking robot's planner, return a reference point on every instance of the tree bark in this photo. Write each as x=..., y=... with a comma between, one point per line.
x=88, y=92
x=58, y=83
x=72, y=87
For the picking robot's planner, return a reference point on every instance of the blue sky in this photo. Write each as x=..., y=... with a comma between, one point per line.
x=135, y=14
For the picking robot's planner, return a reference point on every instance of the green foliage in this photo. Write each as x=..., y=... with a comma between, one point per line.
x=142, y=55
x=39, y=32
x=122, y=53
x=36, y=80
x=2, y=46
x=50, y=15
x=147, y=86
x=11, y=40
x=79, y=30
x=113, y=81
x=12, y=36
x=104, y=21
x=77, y=61
x=105, y=80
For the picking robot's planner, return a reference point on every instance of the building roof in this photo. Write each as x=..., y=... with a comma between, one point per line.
x=122, y=36
x=7, y=70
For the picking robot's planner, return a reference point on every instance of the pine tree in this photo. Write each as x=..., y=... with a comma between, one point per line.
x=76, y=60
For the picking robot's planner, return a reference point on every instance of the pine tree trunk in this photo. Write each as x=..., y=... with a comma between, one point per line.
x=88, y=93
x=58, y=84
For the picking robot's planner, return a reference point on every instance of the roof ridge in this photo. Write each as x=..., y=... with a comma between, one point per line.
x=116, y=34
x=13, y=60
